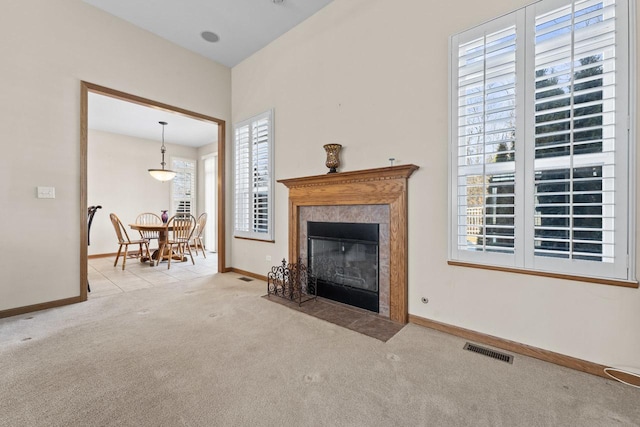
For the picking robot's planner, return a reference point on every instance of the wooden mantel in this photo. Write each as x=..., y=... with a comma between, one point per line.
x=381, y=186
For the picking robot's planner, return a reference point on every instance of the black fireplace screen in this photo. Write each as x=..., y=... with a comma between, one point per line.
x=343, y=257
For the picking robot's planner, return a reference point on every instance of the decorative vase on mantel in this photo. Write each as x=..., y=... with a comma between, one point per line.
x=165, y=217
x=333, y=157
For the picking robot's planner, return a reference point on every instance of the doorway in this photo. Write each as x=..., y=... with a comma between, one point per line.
x=219, y=181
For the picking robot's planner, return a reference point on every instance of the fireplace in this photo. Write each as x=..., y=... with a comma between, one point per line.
x=343, y=258
x=361, y=192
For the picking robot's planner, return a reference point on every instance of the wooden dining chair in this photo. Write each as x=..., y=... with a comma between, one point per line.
x=196, y=240
x=149, y=218
x=181, y=227
x=125, y=241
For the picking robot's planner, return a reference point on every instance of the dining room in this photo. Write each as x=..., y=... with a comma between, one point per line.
x=125, y=142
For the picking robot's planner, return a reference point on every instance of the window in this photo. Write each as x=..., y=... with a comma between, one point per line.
x=540, y=140
x=183, y=186
x=253, y=144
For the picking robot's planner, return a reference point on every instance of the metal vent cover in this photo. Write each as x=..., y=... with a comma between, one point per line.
x=504, y=357
x=245, y=279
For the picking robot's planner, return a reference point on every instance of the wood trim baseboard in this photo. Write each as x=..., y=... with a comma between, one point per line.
x=130, y=254
x=246, y=273
x=95, y=256
x=516, y=347
x=42, y=306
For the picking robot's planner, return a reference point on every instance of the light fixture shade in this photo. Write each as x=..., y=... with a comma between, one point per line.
x=162, y=174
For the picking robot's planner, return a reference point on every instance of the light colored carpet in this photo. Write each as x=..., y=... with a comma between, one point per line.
x=211, y=351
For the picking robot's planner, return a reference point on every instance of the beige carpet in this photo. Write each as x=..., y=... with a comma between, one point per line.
x=212, y=352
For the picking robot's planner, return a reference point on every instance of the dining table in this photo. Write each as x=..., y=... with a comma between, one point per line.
x=163, y=233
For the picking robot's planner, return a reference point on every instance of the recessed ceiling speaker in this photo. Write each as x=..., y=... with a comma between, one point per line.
x=210, y=36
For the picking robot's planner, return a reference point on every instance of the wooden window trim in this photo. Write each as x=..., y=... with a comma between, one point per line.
x=254, y=239
x=596, y=280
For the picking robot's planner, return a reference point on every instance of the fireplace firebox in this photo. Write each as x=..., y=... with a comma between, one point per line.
x=343, y=258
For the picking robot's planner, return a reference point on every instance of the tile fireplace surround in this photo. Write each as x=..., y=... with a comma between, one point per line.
x=372, y=195
x=370, y=214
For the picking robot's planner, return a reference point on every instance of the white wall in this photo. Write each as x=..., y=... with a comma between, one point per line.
x=203, y=152
x=212, y=214
x=47, y=49
x=118, y=180
x=372, y=75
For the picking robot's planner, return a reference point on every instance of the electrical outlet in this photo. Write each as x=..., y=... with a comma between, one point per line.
x=268, y=259
x=46, y=192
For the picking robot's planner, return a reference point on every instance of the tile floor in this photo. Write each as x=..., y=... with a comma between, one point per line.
x=105, y=279
x=356, y=319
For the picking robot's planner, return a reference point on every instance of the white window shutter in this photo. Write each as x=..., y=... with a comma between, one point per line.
x=253, y=191
x=539, y=149
x=486, y=142
x=575, y=121
x=183, y=186
x=242, y=169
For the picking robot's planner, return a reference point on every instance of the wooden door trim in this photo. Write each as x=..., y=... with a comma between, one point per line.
x=85, y=88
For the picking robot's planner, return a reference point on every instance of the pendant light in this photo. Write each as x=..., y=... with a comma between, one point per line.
x=162, y=174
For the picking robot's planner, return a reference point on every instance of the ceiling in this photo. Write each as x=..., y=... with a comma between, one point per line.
x=243, y=26
x=127, y=118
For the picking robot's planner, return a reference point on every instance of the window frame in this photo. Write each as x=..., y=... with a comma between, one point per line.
x=249, y=216
x=194, y=184
x=523, y=258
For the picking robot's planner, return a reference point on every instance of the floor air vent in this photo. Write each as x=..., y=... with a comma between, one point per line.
x=245, y=279
x=488, y=352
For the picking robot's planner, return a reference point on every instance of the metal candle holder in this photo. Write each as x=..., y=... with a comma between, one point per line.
x=333, y=157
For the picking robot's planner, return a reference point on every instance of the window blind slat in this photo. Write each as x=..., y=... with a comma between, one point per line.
x=254, y=144
x=571, y=118
x=183, y=186
x=539, y=144
x=486, y=103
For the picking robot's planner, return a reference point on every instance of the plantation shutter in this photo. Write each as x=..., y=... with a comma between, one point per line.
x=260, y=176
x=575, y=119
x=540, y=140
x=485, y=129
x=254, y=177
x=183, y=186
x=242, y=167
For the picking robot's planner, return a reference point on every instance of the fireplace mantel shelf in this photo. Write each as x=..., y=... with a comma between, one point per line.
x=378, y=174
x=384, y=186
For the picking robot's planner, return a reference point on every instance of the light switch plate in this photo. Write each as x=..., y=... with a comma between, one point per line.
x=46, y=192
